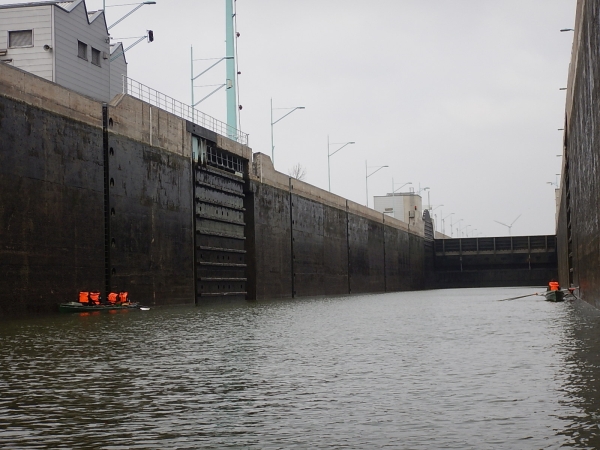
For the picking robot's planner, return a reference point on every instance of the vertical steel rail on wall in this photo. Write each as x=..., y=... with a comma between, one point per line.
x=384, y=265
x=193, y=162
x=105, y=152
x=291, y=186
x=348, y=244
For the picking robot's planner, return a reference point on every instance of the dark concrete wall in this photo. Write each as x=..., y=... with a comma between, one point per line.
x=580, y=183
x=500, y=261
x=52, y=226
x=151, y=223
x=320, y=256
x=269, y=236
x=51, y=208
x=366, y=255
x=328, y=250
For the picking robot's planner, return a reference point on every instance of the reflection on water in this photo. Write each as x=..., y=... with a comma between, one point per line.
x=419, y=370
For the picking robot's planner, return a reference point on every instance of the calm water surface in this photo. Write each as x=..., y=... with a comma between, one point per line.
x=420, y=370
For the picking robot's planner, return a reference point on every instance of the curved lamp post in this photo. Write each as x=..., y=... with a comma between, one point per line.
x=128, y=14
x=457, y=228
x=331, y=154
x=273, y=123
x=444, y=223
x=367, y=175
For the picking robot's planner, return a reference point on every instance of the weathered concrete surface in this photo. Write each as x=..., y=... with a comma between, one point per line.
x=320, y=256
x=38, y=92
x=52, y=227
x=51, y=208
x=578, y=224
x=151, y=223
x=306, y=241
x=269, y=234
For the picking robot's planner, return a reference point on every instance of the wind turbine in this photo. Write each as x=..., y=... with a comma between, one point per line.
x=509, y=226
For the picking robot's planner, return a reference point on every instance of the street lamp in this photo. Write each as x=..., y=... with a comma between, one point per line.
x=331, y=154
x=457, y=229
x=394, y=189
x=444, y=224
x=367, y=175
x=567, y=29
x=228, y=83
x=397, y=189
x=128, y=14
x=273, y=123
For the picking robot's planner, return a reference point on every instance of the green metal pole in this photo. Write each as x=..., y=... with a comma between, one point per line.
x=230, y=52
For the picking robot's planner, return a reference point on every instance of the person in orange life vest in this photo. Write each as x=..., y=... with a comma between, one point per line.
x=112, y=298
x=95, y=298
x=553, y=286
x=84, y=298
x=123, y=297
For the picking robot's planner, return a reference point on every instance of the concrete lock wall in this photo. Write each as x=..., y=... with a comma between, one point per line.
x=578, y=227
x=51, y=208
x=52, y=228
x=307, y=241
x=54, y=240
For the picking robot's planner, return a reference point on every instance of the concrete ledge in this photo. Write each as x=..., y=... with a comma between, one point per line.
x=234, y=147
x=263, y=171
x=395, y=223
x=150, y=125
x=363, y=211
x=36, y=91
x=314, y=193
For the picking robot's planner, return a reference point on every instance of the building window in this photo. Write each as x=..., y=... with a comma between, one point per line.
x=22, y=38
x=95, y=57
x=82, y=50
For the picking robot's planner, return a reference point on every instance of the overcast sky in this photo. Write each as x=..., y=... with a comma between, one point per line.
x=459, y=96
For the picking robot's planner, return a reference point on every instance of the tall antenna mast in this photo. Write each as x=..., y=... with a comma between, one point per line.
x=231, y=78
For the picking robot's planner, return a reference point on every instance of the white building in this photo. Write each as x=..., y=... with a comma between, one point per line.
x=64, y=43
x=404, y=206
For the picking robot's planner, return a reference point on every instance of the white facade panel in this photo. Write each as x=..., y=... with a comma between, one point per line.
x=73, y=72
x=393, y=206
x=33, y=58
x=118, y=68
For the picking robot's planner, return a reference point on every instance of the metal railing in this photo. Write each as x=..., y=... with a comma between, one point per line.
x=169, y=104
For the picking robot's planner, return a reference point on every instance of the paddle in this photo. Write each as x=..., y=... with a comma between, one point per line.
x=521, y=296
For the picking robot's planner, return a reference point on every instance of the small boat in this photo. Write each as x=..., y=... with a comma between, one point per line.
x=80, y=307
x=555, y=296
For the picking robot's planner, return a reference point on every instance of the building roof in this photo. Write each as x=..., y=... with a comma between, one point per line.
x=67, y=6
x=64, y=5
x=118, y=46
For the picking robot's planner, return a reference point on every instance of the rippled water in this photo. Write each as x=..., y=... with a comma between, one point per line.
x=419, y=370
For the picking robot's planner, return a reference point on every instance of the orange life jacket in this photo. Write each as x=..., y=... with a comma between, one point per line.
x=112, y=298
x=554, y=286
x=123, y=297
x=95, y=297
x=84, y=297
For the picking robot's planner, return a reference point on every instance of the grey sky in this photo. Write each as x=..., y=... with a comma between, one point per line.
x=460, y=96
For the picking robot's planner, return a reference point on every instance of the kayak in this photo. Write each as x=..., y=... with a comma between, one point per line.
x=79, y=307
x=554, y=296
